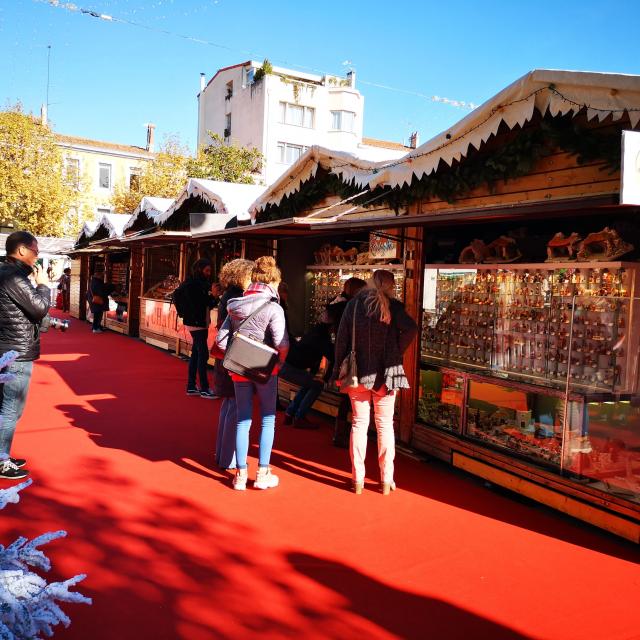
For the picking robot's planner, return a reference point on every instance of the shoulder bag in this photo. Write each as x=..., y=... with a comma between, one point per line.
x=348, y=375
x=250, y=358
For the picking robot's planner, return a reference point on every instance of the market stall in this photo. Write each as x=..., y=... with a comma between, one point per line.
x=204, y=207
x=523, y=266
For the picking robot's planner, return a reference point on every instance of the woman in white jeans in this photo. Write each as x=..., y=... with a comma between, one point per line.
x=380, y=335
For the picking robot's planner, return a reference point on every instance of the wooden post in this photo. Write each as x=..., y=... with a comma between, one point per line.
x=135, y=289
x=413, y=251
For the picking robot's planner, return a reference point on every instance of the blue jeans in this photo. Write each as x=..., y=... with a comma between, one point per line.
x=14, y=397
x=266, y=393
x=226, y=438
x=198, y=360
x=310, y=389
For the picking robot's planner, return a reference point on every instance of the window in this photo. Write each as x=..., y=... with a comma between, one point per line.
x=72, y=172
x=101, y=212
x=229, y=93
x=134, y=178
x=343, y=120
x=227, y=125
x=247, y=74
x=104, y=176
x=297, y=115
x=289, y=153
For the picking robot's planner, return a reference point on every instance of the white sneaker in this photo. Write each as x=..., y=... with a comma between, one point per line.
x=240, y=480
x=265, y=479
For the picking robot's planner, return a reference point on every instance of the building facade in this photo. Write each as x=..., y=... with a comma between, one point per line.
x=97, y=168
x=283, y=113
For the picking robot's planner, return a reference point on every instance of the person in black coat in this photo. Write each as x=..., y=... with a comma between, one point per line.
x=22, y=309
x=235, y=277
x=199, y=299
x=98, y=298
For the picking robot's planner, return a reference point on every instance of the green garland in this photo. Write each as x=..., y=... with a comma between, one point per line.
x=514, y=159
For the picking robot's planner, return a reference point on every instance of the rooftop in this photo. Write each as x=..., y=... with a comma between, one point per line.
x=112, y=146
x=385, y=144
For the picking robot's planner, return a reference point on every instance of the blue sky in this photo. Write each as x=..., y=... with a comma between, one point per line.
x=109, y=78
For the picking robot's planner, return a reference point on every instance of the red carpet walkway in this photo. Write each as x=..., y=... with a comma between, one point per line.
x=122, y=459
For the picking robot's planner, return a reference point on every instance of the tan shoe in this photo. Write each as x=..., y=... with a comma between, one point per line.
x=358, y=487
x=388, y=487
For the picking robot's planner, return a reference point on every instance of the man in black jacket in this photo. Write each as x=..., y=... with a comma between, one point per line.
x=22, y=308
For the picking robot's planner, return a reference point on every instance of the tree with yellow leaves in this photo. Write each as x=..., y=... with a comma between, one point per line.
x=163, y=177
x=36, y=194
x=167, y=174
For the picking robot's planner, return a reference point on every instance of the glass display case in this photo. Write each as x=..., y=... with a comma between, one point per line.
x=440, y=399
x=161, y=272
x=544, y=324
x=325, y=284
x=527, y=422
x=604, y=450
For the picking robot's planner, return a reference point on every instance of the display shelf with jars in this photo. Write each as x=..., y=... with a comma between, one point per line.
x=551, y=324
x=325, y=283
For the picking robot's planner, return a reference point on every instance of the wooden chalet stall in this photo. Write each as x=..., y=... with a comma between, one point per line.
x=171, y=249
x=113, y=259
x=522, y=267
x=139, y=226
x=80, y=270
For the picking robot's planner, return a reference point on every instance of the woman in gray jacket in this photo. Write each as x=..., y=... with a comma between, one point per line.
x=267, y=326
x=383, y=332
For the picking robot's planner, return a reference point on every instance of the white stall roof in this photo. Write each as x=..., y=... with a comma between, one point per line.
x=150, y=207
x=114, y=223
x=223, y=197
x=544, y=90
x=343, y=164
x=88, y=229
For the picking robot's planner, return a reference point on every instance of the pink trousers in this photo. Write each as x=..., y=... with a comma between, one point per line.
x=383, y=403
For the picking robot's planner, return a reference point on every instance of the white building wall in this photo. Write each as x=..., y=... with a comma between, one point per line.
x=256, y=113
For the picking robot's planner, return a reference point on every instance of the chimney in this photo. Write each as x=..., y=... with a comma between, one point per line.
x=43, y=115
x=351, y=78
x=414, y=140
x=150, y=136
x=203, y=82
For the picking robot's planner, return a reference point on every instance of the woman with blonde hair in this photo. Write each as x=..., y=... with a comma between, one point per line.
x=235, y=277
x=266, y=325
x=383, y=331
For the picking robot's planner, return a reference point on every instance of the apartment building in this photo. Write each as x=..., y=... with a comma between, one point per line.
x=284, y=112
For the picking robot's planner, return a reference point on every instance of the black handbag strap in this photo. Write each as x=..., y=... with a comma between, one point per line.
x=353, y=328
x=256, y=312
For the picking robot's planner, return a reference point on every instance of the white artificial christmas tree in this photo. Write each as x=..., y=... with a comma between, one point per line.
x=28, y=604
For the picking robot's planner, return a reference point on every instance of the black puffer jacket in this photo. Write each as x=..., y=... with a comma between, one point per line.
x=22, y=307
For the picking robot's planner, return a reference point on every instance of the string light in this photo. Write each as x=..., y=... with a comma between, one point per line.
x=70, y=6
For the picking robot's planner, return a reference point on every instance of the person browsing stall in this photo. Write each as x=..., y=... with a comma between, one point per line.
x=265, y=324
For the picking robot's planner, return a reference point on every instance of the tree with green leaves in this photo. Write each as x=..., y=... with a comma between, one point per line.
x=225, y=162
x=36, y=193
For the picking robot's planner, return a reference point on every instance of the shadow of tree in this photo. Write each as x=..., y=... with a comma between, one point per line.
x=401, y=613
x=129, y=397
